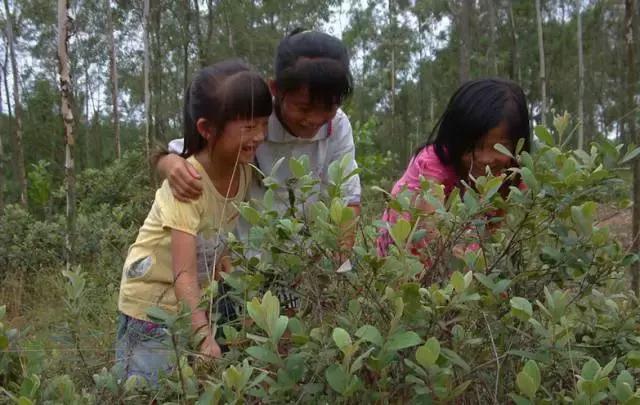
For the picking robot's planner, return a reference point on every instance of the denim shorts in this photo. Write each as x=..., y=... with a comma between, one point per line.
x=143, y=349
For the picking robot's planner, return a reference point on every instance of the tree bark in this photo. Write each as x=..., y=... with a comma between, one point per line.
x=5, y=79
x=147, y=95
x=465, y=40
x=18, y=150
x=515, y=54
x=543, y=77
x=64, y=28
x=492, y=56
x=392, y=95
x=113, y=67
x=632, y=135
x=580, y=78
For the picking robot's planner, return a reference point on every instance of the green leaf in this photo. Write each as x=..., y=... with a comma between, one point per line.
x=492, y=187
x=630, y=155
x=267, y=200
x=526, y=385
x=263, y=355
x=250, y=214
x=370, y=334
x=502, y=149
x=337, y=378
x=624, y=387
x=402, y=340
x=400, y=231
x=608, y=368
x=457, y=281
x=4, y=342
x=359, y=361
x=519, y=145
x=532, y=370
x=279, y=327
x=455, y=359
x=341, y=338
x=296, y=167
x=529, y=179
x=590, y=369
x=633, y=359
x=159, y=315
x=336, y=211
x=519, y=400
x=521, y=308
x=428, y=353
x=544, y=135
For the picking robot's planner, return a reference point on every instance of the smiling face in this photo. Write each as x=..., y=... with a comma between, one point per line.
x=484, y=154
x=240, y=139
x=300, y=114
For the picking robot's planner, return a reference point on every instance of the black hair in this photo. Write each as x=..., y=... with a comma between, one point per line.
x=474, y=109
x=317, y=61
x=226, y=91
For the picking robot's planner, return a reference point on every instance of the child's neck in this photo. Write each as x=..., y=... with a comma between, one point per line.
x=224, y=176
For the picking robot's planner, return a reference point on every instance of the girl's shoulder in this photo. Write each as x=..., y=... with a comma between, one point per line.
x=429, y=165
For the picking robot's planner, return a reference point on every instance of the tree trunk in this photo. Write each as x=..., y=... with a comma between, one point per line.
x=2, y=172
x=631, y=135
x=580, y=78
x=515, y=55
x=18, y=150
x=64, y=28
x=113, y=67
x=157, y=94
x=147, y=95
x=5, y=79
x=465, y=40
x=187, y=41
x=492, y=56
x=392, y=86
x=543, y=77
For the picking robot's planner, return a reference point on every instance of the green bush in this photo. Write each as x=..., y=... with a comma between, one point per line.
x=539, y=312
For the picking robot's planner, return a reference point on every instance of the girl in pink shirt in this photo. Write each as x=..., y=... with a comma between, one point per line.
x=480, y=114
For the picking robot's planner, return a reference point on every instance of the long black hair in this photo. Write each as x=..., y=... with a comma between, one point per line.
x=474, y=109
x=226, y=91
x=317, y=61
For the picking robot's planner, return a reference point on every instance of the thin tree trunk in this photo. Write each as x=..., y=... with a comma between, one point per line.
x=543, y=77
x=630, y=92
x=492, y=54
x=5, y=79
x=465, y=40
x=113, y=67
x=208, y=44
x=147, y=98
x=186, y=42
x=157, y=119
x=580, y=78
x=2, y=172
x=64, y=28
x=18, y=151
x=515, y=55
x=392, y=17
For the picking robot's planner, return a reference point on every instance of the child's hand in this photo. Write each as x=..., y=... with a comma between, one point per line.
x=210, y=348
x=224, y=266
x=183, y=178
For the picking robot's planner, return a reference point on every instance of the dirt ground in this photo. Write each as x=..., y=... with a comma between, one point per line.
x=618, y=221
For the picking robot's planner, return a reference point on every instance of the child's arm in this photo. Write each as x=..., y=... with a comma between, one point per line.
x=183, y=253
x=183, y=178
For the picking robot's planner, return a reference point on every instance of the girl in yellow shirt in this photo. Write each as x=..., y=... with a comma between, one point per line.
x=226, y=112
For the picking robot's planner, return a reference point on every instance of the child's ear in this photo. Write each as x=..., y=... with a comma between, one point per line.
x=205, y=129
